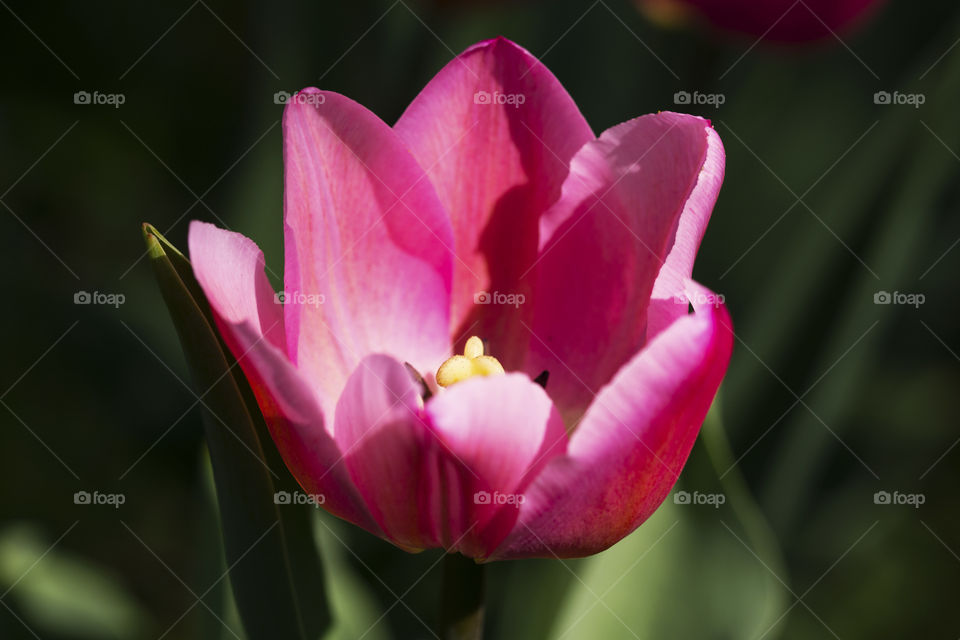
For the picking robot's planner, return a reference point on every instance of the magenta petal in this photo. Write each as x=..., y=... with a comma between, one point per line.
x=229, y=269
x=495, y=131
x=603, y=244
x=368, y=245
x=631, y=445
x=386, y=444
x=678, y=266
x=493, y=435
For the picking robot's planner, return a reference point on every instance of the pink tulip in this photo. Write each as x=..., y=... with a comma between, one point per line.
x=774, y=20
x=493, y=182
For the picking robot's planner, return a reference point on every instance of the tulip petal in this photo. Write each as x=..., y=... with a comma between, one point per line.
x=367, y=238
x=678, y=266
x=631, y=445
x=385, y=443
x=494, y=435
x=495, y=131
x=604, y=242
x=229, y=268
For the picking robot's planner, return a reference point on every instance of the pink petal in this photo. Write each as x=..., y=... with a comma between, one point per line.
x=493, y=435
x=496, y=168
x=678, y=266
x=632, y=443
x=364, y=230
x=386, y=445
x=603, y=244
x=229, y=268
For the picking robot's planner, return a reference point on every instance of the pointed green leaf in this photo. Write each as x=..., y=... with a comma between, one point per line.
x=274, y=567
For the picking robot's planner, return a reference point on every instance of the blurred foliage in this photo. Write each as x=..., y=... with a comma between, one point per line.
x=63, y=593
x=829, y=399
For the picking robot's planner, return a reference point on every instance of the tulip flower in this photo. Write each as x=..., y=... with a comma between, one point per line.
x=774, y=20
x=485, y=340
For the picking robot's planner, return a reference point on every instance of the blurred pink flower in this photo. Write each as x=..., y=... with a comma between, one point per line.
x=489, y=209
x=774, y=20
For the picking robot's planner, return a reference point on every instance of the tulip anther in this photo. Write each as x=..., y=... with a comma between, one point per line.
x=472, y=363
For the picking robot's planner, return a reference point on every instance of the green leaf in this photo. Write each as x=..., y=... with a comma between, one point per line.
x=691, y=571
x=275, y=570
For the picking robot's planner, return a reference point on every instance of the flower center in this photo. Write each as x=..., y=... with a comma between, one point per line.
x=471, y=363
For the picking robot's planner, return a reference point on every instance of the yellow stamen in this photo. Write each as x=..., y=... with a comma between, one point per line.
x=487, y=366
x=473, y=348
x=471, y=363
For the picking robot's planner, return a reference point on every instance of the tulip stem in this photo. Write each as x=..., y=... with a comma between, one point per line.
x=461, y=599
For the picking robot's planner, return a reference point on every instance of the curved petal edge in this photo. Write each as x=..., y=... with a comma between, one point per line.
x=632, y=443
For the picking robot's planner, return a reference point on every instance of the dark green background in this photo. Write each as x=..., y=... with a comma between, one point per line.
x=93, y=397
